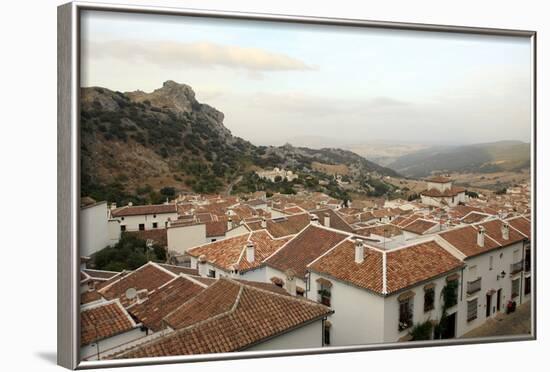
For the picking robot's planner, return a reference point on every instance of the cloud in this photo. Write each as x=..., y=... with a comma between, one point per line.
x=171, y=54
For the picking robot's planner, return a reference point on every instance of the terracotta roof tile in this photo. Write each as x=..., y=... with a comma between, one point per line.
x=465, y=240
x=179, y=269
x=165, y=300
x=340, y=264
x=419, y=226
x=149, y=277
x=521, y=224
x=237, y=316
x=232, y=251
x=453, y=191
x=137, y=210
x=417, y=263
x=304, y=248
x=102, y=321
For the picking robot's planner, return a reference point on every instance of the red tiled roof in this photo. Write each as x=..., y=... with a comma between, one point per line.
x=304, y=248
x=417, y=263
x=494, y=230
x=137, y=210
x=165, y=300
x=102, y=321
x=419, y=226
x=336, y=221
x=289, y=225
x=386, y=230
x=521, y=224
x=216, y=228
x=229, y=316
x=404, y=267
x=149, y=276
x=453, y=191
x=465, y=240
x=179, y=269
x=474, y=217
x=231, y=251
x=89, y=296
x=340, y=264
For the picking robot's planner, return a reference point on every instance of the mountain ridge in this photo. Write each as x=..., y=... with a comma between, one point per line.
x=139, y=143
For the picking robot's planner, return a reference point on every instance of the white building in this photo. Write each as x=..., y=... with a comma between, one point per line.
x=144, y=217
x=441, y=193
x=105, y=326
x=272, y=175
x=494, y=276
x=394, y=289
x=97, y=231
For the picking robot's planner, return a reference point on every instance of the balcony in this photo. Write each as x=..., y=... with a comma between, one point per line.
x=516, y=267
x=527, y=264
x=473, y=286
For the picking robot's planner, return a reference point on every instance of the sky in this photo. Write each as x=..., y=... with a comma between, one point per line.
x=310, y=84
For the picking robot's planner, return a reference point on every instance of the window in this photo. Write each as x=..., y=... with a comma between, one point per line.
x=324, y=294
x=405, y=313
x=326, y=336
x=472, y=310
x=122, y=218
x=141, y=226
x=213, y=240
x=155, y=225
x=490, y=262
x=527, y=289
x=211, y=273
x=154, y=216
x=515, y=288
x=429, y=297
x=450, y=291
x=122, y=228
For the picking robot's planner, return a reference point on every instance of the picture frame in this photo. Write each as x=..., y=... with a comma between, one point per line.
x=68, y=178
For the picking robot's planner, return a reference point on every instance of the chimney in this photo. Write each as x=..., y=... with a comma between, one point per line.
x=314, y=219
x=263, y=223
x=327, y=220
x=234, y=271
x=250, y=251
x=505, y=230
x=481, y=236
x=229, y=223
x=201, y=265
x=359, y=251
x=130, y=204
x=290, y=283
x=113, y=206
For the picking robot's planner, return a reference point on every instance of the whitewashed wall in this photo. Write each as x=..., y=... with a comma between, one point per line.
x=94, y=229
x=308, y=336
x=181, y=238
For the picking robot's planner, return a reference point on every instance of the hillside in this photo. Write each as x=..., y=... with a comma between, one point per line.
x=144, y=147
x=478, y=158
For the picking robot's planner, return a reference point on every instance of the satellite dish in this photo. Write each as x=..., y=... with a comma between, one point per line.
x=131, y=293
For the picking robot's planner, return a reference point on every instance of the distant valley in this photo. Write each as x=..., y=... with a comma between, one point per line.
x=502, y=156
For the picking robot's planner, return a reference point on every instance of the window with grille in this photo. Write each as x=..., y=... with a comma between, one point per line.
x=515, y=288
x=405, y=314
x=472, y=309
x=527, y=288
x=429, y=298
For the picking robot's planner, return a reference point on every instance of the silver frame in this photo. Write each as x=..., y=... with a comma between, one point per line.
x=68, y=180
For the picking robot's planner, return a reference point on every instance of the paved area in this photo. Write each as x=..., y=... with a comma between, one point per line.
x=516, y=323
